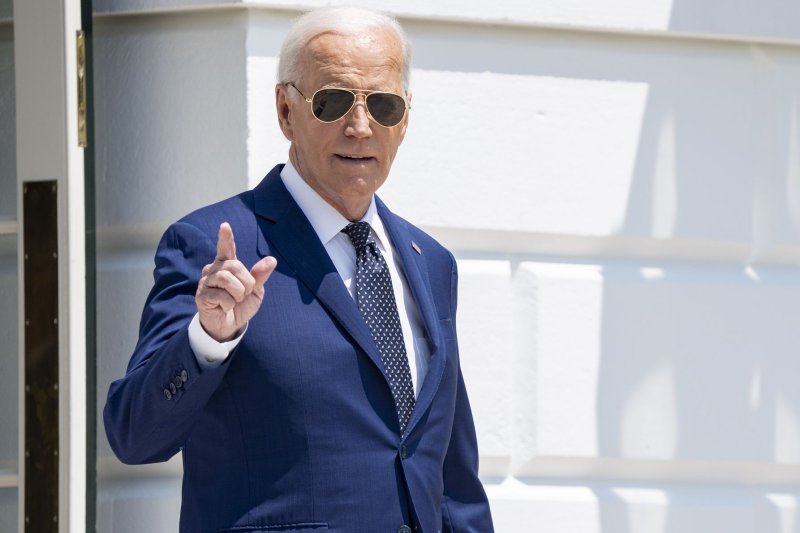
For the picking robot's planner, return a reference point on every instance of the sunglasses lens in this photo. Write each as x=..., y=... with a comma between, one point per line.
x=386, y=108
x=331, y=104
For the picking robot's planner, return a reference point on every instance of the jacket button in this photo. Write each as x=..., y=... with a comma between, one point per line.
x=172, y=388
x=178, y=382
x=167, y=394
x=184, y=375
x=404, y=529
x=403, y=454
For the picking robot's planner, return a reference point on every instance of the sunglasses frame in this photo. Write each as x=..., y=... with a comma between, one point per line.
x=355, y=93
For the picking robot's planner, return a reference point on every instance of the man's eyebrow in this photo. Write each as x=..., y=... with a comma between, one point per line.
x=345, y=86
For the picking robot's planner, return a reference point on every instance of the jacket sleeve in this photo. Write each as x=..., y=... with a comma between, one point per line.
x=150, y=411
x=465, y=506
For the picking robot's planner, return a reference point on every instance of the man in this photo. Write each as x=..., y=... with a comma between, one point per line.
x=320, y=389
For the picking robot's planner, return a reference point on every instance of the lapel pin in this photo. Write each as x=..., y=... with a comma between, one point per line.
x=416, y=247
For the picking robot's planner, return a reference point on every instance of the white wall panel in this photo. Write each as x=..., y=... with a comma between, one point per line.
x=485, y=323
x=776, y=149
x=770, y=19
x=8, y=509
x=170, y=108
x=129, y=498
x=144, y=5
x=138, y=505
x=124, y=279
x=595, y=136
x=266, y=145
x=9, y=368
x=667, y=362
x=601, y=507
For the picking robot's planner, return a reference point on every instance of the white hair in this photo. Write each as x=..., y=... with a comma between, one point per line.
x=340, y=20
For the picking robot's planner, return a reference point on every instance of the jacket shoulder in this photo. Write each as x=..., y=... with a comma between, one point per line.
x=236, y=210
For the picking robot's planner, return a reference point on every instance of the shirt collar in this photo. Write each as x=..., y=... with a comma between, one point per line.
x=324, y=218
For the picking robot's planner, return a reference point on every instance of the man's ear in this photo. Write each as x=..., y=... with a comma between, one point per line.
x=284, y=111
x=404, y=125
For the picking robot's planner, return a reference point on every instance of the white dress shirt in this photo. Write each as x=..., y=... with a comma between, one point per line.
x=328, y=224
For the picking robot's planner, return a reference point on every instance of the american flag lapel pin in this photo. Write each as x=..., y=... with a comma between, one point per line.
x=416, y=248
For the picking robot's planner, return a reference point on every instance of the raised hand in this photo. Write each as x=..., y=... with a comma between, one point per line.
x=228, y=295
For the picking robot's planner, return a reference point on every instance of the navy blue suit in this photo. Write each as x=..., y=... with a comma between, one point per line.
x=297, y=430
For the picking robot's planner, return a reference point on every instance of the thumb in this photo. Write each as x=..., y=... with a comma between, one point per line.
x=226, y=247
x=262, y=270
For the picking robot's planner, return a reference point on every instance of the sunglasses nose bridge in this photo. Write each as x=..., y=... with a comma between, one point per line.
x=363, y=97
x=357, y=103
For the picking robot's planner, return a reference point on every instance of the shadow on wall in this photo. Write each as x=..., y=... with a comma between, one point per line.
x=700, y=364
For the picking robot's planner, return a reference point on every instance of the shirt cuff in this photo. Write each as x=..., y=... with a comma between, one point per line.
x=209, y=352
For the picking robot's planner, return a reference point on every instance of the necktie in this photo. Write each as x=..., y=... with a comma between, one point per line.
x=376, y=302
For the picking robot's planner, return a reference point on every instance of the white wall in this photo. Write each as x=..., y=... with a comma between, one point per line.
x=8, y=355
x=621, y=185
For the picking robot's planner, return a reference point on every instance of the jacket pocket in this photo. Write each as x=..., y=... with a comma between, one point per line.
x=296, y=527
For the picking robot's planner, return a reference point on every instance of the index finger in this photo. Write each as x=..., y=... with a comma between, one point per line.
x=226, y=247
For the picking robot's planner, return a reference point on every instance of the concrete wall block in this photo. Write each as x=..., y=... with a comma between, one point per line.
x=170, y=114
x=558, y=353
x=627, y=355
x=9, y=366
x=146, y=5
x=8, y=113
x=772, y=19
x=8, y=509
x=138, y=505
x=523, y=369
x=123, y=282
x=599, y=507
x=6, y=9
x=521, y=508
x=266, y=145
x=598, y=136
x=776, y=116
x=485, y=335
x=778, y=511
x=507, y=184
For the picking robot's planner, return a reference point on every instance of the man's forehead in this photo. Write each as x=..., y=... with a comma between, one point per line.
x=364, y=53
x=366, y=39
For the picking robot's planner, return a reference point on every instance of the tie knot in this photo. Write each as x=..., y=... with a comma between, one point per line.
x=359, y=233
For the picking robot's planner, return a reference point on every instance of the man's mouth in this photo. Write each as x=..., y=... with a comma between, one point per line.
x=354, y=158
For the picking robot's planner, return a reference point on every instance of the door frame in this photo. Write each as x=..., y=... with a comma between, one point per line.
x=47, y=149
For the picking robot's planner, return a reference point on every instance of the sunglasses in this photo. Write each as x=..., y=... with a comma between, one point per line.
x=331, y=104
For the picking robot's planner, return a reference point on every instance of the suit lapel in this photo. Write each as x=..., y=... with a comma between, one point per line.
x=416, y=272
x=292, y=236
x=290, y=233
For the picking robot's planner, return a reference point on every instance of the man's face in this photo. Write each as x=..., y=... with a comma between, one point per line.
x=347, y=160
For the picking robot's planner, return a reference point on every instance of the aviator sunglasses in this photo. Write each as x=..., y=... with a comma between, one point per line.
x=332, y=103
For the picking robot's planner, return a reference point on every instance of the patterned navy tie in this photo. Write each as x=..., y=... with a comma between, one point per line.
x=376, y=302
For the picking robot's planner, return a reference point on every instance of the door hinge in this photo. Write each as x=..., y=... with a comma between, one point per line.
x=81, y=48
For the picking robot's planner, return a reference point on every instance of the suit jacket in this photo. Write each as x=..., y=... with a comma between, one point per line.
x=297, y=430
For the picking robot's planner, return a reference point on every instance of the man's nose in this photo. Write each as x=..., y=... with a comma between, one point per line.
x=358, y=120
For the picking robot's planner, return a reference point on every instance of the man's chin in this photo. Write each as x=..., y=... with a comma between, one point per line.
x=359, y=180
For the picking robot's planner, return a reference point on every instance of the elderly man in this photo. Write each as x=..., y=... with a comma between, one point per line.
x=320, y=388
